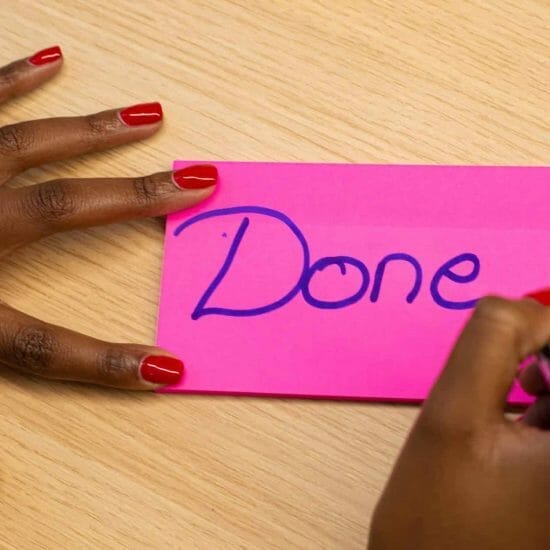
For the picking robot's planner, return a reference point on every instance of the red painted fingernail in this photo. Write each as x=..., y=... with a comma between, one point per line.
x=541, y=296
x=198, y=176
x=162, y=370
x=144, y=113
x=49, y=55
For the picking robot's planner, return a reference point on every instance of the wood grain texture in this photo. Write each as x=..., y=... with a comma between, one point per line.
x=309, y=80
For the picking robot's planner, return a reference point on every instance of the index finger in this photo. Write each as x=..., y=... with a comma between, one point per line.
x=477, y=378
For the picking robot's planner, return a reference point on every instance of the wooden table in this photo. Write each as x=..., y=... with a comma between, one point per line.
x=356, y=81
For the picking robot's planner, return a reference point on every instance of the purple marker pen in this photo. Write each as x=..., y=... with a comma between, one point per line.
x=543, y=297
x=544, y=364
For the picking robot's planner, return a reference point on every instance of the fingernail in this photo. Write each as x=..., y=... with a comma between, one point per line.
x=49, y=55
x=198, y=176
x=541, y=296
x=139, y=115
x=162, y=370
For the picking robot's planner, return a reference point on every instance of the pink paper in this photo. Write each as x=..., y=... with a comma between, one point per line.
x=272, y=321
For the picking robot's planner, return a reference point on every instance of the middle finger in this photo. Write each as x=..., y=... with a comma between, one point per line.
x=33, y=212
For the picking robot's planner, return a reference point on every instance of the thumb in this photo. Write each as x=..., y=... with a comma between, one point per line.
x=483, y=365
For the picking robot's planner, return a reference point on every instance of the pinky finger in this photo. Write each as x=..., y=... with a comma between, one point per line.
x=33, y=347
x=26, y=74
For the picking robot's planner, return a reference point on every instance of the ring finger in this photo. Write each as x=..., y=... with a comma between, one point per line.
x=28, y=144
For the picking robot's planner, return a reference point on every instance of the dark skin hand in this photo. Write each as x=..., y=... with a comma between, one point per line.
x=468, y=477
x=28, y=214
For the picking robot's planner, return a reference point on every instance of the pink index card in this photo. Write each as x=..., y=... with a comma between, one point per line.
x=344, y=281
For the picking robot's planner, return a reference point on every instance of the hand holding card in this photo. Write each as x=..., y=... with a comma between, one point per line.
x=343, y=281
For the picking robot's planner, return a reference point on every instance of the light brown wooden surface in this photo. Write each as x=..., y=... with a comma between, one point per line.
x=358, y=81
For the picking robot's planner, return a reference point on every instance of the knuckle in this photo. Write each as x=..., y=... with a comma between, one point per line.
x=33, y=350
x=115, y=366
x=50, y=202
x=15, y=140
x=148, y=189
x=97, y=127
x=499, y=311
x=10, y=77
